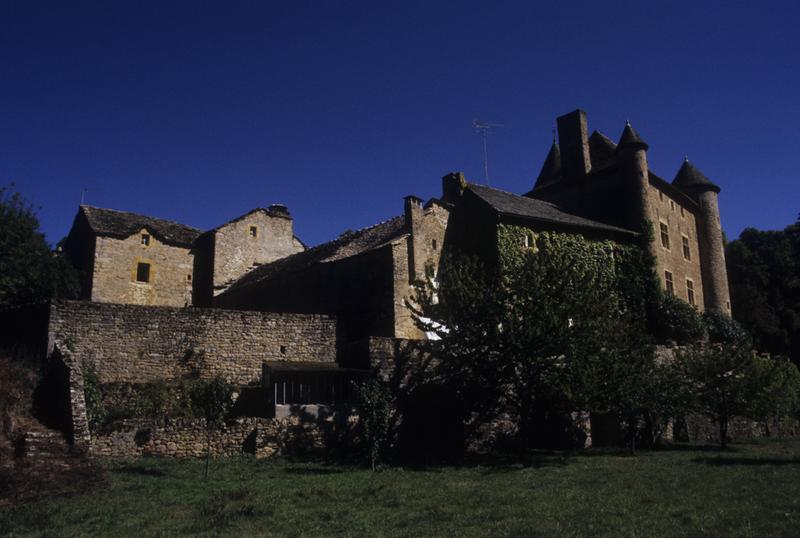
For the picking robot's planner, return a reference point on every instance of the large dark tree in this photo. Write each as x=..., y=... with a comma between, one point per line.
x=29, y=270
x=764, y=274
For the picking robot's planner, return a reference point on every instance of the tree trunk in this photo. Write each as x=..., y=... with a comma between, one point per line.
x=723, y=432
x=208, y=451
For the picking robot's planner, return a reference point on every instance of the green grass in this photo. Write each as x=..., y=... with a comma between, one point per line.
x=750, y=490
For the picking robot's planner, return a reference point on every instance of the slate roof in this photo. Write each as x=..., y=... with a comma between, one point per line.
x=551, y=169
x=602, y=151
x=510, y=204
x=346, y=245
x=113, y=223
x=690, y=177
x=631, y=138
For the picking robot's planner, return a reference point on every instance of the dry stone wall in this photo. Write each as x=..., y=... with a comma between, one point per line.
x=141, y=344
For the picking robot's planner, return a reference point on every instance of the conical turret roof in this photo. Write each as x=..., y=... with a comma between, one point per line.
x=690, y=178
x=602, y=150
x=551, y=169
x=630, y=139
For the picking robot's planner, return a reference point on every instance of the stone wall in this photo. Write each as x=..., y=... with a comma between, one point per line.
x=257, y=238
x=115, y=268
x=261, y=437
x=681, y=222
x=139, y=344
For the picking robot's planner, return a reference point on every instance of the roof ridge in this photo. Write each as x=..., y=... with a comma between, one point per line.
x=86, y=206
x=536, y=200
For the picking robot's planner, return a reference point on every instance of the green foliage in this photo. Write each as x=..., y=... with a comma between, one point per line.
x=764, y=276
x=212, y=400
x=728, y=381
x=543, y=330
x=94, y=396
x=675, y=320
x=29, y=271
x=375, y=411
x=723, y=329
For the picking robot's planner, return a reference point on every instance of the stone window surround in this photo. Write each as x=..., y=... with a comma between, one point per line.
x=664, y=233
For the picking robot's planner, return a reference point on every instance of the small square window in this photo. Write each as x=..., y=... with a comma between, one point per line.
x=188, y=278
x=690, y=291
x=433, y=244
x=253, y=231
x=668, y=281
x=665, y=236
x=687, y=252
x=145, y=239
x=143, y=272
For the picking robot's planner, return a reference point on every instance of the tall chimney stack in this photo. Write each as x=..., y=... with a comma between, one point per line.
x=573, y=141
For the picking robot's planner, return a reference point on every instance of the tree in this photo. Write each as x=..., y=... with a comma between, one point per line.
x=29, y=270
x=724, y=380
x=764, y=275
x=374, y=410
x=213, y=401
x=532, y=335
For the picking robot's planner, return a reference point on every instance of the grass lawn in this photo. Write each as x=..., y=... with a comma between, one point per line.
x=750, y=490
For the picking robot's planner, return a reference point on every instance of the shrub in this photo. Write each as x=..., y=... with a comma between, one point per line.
x=723, y=329
x=374, y=408
x=673, y=319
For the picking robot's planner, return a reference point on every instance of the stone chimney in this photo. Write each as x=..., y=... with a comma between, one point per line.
x=416, y=255
x=573, y=141
x=453, y=185
x=279, y=209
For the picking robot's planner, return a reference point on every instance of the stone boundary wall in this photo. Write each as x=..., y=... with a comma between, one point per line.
x=140, y=344
x=260, y=437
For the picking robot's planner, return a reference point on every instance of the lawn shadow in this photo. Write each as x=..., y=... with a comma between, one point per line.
x=138, y=470
x=320, y=471
x=723, y=461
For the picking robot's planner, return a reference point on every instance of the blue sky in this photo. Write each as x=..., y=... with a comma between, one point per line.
x=199, y=111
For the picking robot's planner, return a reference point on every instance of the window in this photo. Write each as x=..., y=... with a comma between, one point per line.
x=683, y=214
x=433, y=244
x=669, y=283
x=690, y=291
x=687, y=253
x=530, y=240
x=661, y=196
x=143, y=272
x=672, y=205
x=145, y=239
x=188, y=278
x=253, y=231
x=665, y=236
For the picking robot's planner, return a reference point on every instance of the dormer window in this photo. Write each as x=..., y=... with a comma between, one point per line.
x=253, y=231
x=146, y=239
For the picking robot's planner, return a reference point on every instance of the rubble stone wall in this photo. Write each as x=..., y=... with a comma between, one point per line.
x=141, y=344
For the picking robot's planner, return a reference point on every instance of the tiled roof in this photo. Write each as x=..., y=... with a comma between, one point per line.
x=110, y=222
x=510, y=204
x=346, y=245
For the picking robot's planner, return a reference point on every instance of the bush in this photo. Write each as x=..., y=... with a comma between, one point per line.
x=675, y=320
x=723, y=329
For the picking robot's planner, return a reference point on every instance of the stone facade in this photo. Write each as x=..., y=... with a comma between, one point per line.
x=681, y=225
x=116, y=277
x=135, y=259
x=139, y=344
x=256, y=238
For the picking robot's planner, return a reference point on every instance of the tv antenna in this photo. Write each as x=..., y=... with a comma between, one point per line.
x=483, y=128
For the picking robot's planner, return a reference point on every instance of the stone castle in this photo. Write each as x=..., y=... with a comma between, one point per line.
x=270, y=310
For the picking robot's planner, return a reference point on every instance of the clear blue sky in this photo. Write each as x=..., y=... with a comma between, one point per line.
x=198, y=111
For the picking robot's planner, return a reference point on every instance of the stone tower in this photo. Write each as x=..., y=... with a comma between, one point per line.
x=632, y=159
x=709, y=232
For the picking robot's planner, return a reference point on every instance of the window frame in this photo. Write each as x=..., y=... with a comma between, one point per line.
x=144, y=269
x=690, y=295
x=664, y=234
x=669, y=282
x=687, y=251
